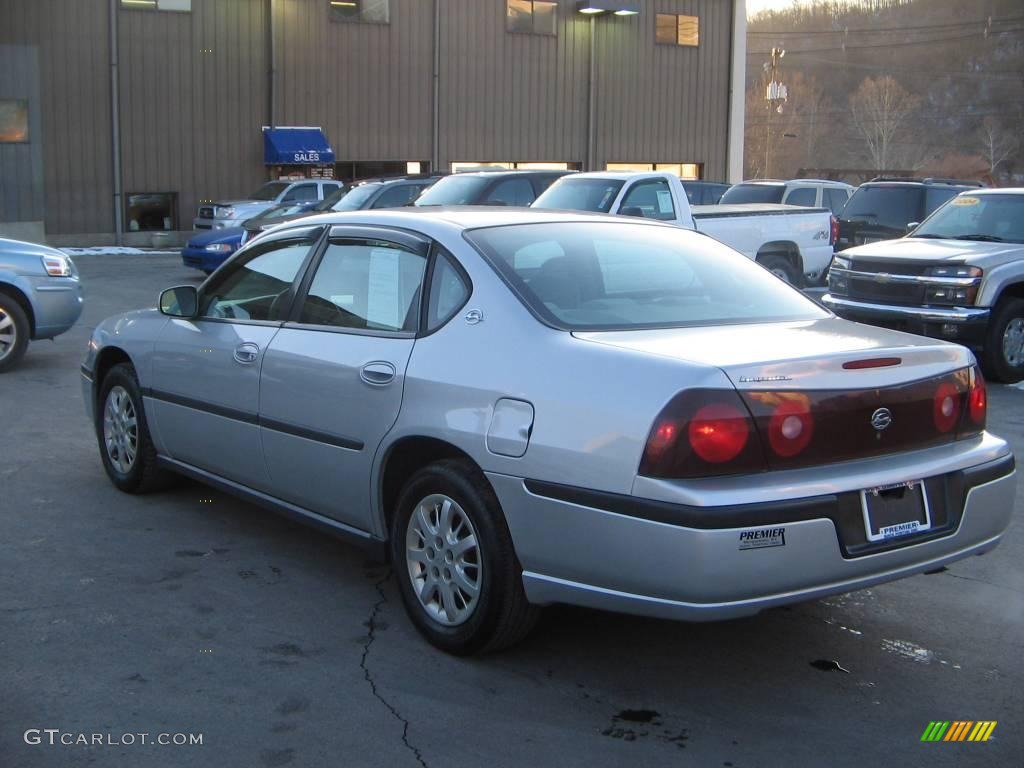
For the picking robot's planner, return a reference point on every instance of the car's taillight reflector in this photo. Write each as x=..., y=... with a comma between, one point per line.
x=702, y=433
x=977, y=402
x=946, y=406
x=791, y=426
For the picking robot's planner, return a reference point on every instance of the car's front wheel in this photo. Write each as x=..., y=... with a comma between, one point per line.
x=126, y=448
x=14, y=331
x=457, y=571
x=1003, y=359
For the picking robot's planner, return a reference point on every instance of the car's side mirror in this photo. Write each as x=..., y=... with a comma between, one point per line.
x=913, y=225
x=632, y=210
x=180, y=301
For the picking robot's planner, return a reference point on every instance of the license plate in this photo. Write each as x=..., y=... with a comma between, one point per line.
x=894, y=511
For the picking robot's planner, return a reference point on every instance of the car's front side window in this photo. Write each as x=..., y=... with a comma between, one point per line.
x=653, y=197
x=257, y=285
x=365, y=285
x=804, y=196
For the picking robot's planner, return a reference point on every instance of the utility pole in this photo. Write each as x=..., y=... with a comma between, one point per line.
x=775, y=94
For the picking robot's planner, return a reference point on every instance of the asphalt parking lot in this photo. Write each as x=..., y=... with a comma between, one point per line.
x=191, y=612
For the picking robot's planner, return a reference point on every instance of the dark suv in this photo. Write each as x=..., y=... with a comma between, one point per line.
x=517, y=188
x=884, y=208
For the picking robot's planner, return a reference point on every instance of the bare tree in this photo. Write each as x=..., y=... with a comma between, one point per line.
x=996, y=142
x=880, y=110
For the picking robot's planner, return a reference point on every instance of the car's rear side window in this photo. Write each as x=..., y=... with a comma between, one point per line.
x=886, y=205
x=611, y=275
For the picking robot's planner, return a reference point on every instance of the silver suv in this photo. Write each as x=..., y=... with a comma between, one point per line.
x=810, y=193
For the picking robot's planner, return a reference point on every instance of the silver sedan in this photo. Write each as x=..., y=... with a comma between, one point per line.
x=525, y=407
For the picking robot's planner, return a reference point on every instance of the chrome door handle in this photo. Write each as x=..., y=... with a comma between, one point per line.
x=247, y=352
x=378, y=373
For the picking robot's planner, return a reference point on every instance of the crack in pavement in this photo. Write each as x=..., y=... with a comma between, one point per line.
x=372, y=624
x=982, y=581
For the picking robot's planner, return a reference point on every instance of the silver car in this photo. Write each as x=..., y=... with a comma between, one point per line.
x=40, y=297
x=533, y=407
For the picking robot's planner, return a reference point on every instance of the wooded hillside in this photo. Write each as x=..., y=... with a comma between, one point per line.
x=933, y=87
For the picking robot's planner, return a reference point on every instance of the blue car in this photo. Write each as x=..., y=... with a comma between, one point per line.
x=40, y=297
x=208, y=250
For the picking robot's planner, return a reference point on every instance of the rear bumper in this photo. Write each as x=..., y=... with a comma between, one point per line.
x=966, y=325
x=579, y=554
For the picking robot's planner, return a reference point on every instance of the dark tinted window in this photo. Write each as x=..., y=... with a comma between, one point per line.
x=885, y=205
x=653, y=197
x=805, y=196
x=365, y=284
x=580, y=195
x=754, y=193
x=631, y=275
x=256, y=285
x=514, y=191
x=448, y=292
x=301, y=192
x=835, y=199
x=269, y=191
x=936, y=196
x=397, y=195
x=454, y=190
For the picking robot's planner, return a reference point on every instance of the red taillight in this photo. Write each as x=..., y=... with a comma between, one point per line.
x=718, y=433
x=702, y=433
x=946, y=406
x=977, y=400
x=834, y=233
x=791, y=426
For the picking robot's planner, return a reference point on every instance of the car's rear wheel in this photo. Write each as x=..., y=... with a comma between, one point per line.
x=1003, y=359
x=782, y=267
x=457, y=571
x=14, y=331
x=126, y=448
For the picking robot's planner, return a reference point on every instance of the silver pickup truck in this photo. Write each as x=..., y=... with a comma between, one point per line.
x=231, y=213
x=958, y=276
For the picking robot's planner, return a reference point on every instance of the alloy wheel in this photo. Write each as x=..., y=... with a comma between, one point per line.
x=120, y=429
x=8, y=333
x=1013, y=342
x=443, y=557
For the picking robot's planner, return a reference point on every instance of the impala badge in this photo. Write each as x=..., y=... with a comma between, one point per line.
x=881, y=419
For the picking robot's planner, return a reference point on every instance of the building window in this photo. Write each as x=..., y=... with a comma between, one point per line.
x=531, y=17
x=13, y=121
x=152, y=212
x=364, y=11
x=670, y=29
x=687, y=171
x=158, y=5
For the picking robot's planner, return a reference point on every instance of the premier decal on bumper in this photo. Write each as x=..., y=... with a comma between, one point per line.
x=763, y=537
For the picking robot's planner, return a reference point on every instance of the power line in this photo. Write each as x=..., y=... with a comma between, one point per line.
x=875, y=30
x=992, y=75
x=902, y=44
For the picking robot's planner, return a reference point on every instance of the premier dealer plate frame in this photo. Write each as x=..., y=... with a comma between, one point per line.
x=918, y=526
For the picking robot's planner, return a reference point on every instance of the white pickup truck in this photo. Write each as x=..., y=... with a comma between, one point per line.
x=794, y=243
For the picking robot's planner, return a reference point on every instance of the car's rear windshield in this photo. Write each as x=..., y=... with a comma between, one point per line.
x=454, y=190
x=328, y=203
x=754, y=193
x=269, y=191
x=580, y=195
x=885, y=205
x=623, y=275
x=991, y=217
x=357, y=198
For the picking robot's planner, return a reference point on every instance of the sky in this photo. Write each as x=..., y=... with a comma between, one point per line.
x=755, y=6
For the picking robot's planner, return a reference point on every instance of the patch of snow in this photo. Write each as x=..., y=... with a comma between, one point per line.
x=111, y=250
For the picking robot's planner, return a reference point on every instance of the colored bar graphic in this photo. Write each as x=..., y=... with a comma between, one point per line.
x=959, y=730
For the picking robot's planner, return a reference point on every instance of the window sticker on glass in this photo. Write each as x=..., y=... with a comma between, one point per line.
x=966, y=201
x=382, y=303
x=664, y=201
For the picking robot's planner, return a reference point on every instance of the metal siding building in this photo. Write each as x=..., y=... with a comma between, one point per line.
x=194, y=89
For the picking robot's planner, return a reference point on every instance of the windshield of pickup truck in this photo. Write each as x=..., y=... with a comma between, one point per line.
x=580, y=195
x=269, y=191
x=754, y=193
x=454, y=190
x=621, y=276
x=992, y=217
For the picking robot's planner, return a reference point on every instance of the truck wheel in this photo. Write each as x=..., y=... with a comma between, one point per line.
x=782, y=267
x=14, y=331
x=1003, y=358
x=457, y=570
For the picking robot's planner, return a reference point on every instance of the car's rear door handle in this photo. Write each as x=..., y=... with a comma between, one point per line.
x=378, y=373
x=247, y=352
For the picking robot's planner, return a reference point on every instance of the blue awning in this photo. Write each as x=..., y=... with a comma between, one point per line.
x=296, y=146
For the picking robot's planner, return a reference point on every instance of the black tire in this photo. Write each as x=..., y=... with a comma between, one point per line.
x=994, y=360
x=502, y=616
x=12, y=353
x=782, y=267
x=144, y=473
